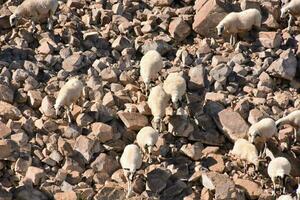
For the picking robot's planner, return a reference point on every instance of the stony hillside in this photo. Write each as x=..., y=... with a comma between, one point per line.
x=42, y=156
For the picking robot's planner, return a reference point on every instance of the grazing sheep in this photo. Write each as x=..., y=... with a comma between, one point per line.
x=35, y=10
x=68, y=95
x=146, y=139
x=151, y=64
x=238, y=22
x=158, y=102
x=279, y=169
x=285, y=197
x=292, y=9
x=292, y=119
x=131, y=160
x=261, y=131
x=246, y=151
x=175, y=86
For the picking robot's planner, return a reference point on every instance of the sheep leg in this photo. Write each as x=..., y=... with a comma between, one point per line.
x=129, y=188
x=290, y=22
x=274, y=188
x=230, y=40
x=50, y=24
x=69, y=115
x=33, y=26
x=295, y=135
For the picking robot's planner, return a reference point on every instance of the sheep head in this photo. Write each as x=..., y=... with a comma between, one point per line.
x=252, y=135
x=284, y=12
x=220, y=29
x=13, y=19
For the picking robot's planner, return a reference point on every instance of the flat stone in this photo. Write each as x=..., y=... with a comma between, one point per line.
x=102, y=131
x=224, y=187
x=133, y=121
x=232, y=124
x=253, y=190
x=4, y=130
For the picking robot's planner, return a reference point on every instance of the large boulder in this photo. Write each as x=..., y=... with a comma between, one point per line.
x=208, y=14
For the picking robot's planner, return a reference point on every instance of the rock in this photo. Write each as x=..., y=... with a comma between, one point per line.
x=214, y=162
x=7, y=147
x=255, y=115
x=73, y=63
x=8, y=111
x=174, y=190
x=180, y=126
x=208, y=15
x=270, y=39
x=247, y=4
x=285, y=66
x=121, y=43
x=4, y=130
x=75, y=4
x=105, y=163
x=220, y=73
x=29, y=193
x=110, y=191
x=197, y=78
x=84, y=146
x=209, y=137
x=224, y=187
x=47, y=106
x=194, y=151
x=6, y=94
x=161, y=2
x=69, y=195
x=4, y=195
x=133, y=121
x=235, y=130
x=179, y=29
x=157, y=179
x=159, y=45
x=102, y=131
x=35, y=98
x=35, y=174
x=108, y=74
x=253, y=190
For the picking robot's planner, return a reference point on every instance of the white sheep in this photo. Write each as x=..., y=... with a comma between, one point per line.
x=158, y=102
x=238, y=22
x=131, y=161
x=35, y=10
x=285, y=197
x=68, y=95
x=261, y=131
x=150, y=65
x=292, y=9
x=279, y=169
x=292, y=119
x=175, y=86
x=246, y=151
x=146, y=139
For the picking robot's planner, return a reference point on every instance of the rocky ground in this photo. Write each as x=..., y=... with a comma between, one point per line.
x=43, y=157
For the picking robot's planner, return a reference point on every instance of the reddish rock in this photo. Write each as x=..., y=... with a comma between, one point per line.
x=270, y=39
x=102, y=131
x=4, y=130
x=133, y=121
x=235, y=130
x=179, y=29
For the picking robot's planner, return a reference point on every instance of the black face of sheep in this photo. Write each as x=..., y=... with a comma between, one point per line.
x=220, y=30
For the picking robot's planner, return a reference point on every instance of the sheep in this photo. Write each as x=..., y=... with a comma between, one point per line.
x=131, y=160
x=292, y=9
x=158, y=102
x=292, y=119
x=146, y=139
x=285, y=197
x=69, y=94
x=279, y=169
x=175, y=86
x=35, y=10
x=150, y=65
x=238, y=22
x=246, y=151
x=261, y=131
